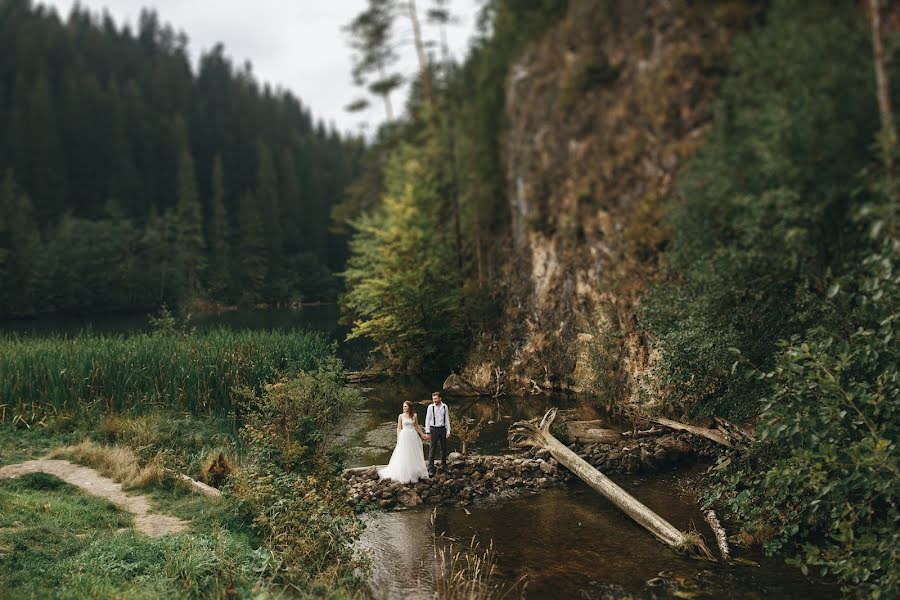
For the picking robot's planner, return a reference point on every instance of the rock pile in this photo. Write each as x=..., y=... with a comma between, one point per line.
x=648, y=454
x=463, y=480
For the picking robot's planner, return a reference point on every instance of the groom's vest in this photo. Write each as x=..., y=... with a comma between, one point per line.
x=434, y=416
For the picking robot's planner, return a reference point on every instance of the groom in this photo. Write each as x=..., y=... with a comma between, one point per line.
x=437, y=428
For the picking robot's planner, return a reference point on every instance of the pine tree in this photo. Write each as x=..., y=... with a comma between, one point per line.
x=403, y=290
x=190, y=246
x=270, y=216
x=20, y=245
x=250, y=262
x=49, y=176
x=217, y=232
x=292, y=206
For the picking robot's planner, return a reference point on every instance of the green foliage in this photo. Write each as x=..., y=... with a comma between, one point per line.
x=218, y=233
x=287, y=420
x=251, y=265
x=763, y=220
x=190, y=246
x=292, y=494
x=19, y=246
x=57, y=542
x=403, y=287
x=96, y=115
x=825, y=475
x=775, y=290
x=193, y=372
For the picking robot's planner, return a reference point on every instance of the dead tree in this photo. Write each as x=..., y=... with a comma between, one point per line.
x=525, y=434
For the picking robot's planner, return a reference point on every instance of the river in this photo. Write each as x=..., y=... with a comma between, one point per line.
x=565, y=543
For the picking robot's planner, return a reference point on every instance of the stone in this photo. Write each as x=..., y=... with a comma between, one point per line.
x=457, y=386
x=409, y=499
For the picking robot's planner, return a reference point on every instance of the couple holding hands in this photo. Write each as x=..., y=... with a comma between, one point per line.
x=407, y=462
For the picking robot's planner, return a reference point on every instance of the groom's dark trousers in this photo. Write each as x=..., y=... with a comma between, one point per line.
x=438, y=434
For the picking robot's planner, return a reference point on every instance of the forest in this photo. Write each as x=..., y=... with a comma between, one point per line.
x=626, y=213
x=131, y=179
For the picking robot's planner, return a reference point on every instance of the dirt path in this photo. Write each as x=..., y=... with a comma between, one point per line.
x=90, y=481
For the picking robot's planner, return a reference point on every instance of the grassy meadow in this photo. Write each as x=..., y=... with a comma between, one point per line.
x=192, y=372
x=245, y=411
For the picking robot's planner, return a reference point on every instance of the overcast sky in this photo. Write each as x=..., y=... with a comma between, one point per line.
x=294, y=44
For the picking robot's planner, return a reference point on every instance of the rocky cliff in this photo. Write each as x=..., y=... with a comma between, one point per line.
x=602, y=111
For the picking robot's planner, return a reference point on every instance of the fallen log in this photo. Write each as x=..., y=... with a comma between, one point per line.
x=526, y=434
x=733, y=430
x=200, y=487
x=361, y=376
x=719, y=531
x=714, y=435
x=653, y=431
x=592, y=432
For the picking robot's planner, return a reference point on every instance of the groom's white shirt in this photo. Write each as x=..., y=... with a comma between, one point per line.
x=437, y=416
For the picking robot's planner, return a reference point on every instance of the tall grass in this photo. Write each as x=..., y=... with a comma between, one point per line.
x=195, y=372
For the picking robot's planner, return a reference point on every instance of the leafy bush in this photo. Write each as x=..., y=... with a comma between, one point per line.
x=289, y=490
x=825, y=475
x=763, y=218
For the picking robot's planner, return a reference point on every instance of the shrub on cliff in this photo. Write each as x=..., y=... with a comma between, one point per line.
x=824, y=482
x=762, y=223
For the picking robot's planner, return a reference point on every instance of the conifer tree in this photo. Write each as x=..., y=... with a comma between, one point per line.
x=270, y=216
x=217, y=232
x=250, y=262
x=19, y=247
x=190, y=246
x=403, y=290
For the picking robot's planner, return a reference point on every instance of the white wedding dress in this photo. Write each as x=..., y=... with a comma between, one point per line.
x=408, y=460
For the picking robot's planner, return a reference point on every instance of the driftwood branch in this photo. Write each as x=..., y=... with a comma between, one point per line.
x=719, y=531
x=196, y=486
x=715, y=435
x=526, y=434
x=592, y=432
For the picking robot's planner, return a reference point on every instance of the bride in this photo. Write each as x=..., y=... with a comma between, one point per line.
x=408, y=460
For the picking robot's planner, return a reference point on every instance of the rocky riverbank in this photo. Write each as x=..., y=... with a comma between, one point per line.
x=465, y=479
x=648, y=454
x=474, y=477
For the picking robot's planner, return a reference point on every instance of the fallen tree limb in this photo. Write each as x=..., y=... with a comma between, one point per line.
x=200, y=487
x=592, y=432
x=642, y=433
x=526, y=434
x=721, y=538
x=733, y=430
x=714, y=435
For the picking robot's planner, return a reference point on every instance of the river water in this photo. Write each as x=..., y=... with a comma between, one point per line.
x=562, y=543
x=565, y=543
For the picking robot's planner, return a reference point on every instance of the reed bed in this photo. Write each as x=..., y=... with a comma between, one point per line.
x=192, y=372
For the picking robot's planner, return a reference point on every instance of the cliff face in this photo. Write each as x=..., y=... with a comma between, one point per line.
x=602, y=112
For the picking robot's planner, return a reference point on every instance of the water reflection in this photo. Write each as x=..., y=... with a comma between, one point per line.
x=573, y=544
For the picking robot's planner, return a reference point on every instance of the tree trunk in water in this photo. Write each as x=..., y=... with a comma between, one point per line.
x=524, y=434
x=719, y=531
